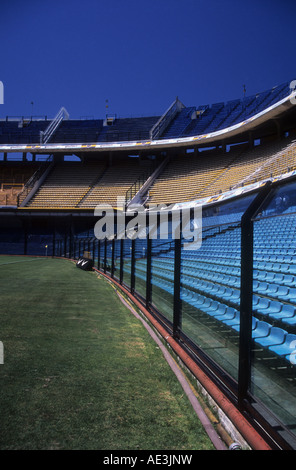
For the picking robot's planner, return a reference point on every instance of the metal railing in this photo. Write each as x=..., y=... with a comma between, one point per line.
x=165, y=119
x=136, y=186
x=33, y=180
x=50, y=130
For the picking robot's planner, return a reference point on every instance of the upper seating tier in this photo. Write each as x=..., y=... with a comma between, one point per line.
x=189, y=121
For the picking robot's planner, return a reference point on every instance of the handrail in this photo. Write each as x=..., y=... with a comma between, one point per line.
x=165, y=119
x=267, y=162
x=31, y=182
x=46, y=135
x=132, y=191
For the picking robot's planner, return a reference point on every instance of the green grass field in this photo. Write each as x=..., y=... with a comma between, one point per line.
x=80, y=371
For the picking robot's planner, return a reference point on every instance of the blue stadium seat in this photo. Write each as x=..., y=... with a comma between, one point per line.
x=282, y=292
x=287, y=349
x=287, y=311
x=261, y=305
x=221, y=310
x=232, y=295
x=197, y=300
x=261, y=330
x=212, y=308
x=288, y=280
x=276, y=336
x=236, y=326
x=289, y=295
x=274, y=307
x=227, y=315
x=289, y=321
x=232, y=321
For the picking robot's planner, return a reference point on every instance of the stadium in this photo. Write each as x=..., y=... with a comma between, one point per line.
x=226, y=306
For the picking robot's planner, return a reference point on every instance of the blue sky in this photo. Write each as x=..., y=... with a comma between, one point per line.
x=140, y=55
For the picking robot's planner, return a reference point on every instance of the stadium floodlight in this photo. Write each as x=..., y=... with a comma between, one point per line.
x=1, y=93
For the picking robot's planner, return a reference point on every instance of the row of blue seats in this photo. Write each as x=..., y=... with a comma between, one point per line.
x=212, y=284
x=260, y=275
x=231, y=294
x=260, y=240
x=271, y=338
x=278, y=278
x=224, y=115
x=266, y=250
x=280, y=274
x=265, y=335
x=179, y=123
x=265, y=282
x=275, y=311
x=278, y=265
x=225, y=267
x=280, y=250
x=88, y=130
x=282, y=222
x=221, y=254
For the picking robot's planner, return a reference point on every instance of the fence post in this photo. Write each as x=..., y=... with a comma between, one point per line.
x=25, y=240
x=148, y=272
x=94, y=251
x=70, y=246
x=99, y=254
x=177, y=315
x=133, y=262
x=65, y=246
x=53, y=243
x=105, y=255
x=113, y=256
x=121, y=260
x=246, y=294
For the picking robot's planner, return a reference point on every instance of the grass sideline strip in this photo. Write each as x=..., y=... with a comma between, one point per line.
x=80, y=371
